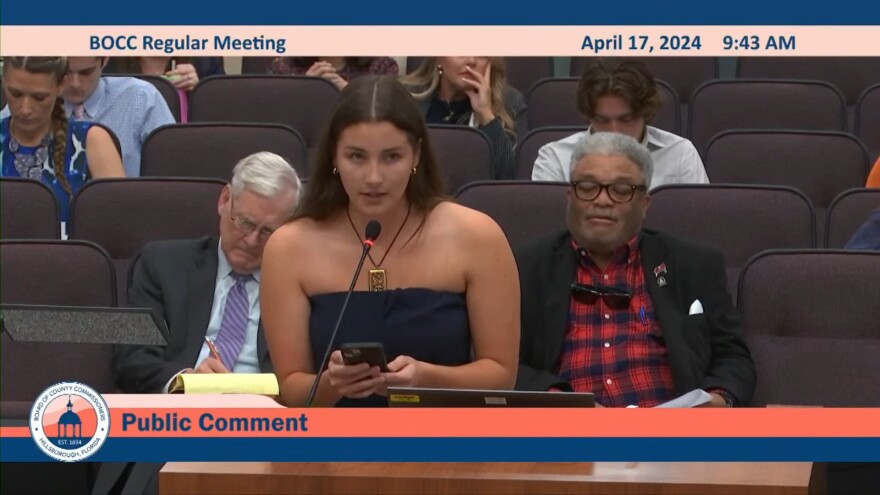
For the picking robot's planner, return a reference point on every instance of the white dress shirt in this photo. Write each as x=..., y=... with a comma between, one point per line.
x=248, y=361
x=676, y=160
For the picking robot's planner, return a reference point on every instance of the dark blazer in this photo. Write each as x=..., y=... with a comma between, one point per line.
x=503, y=144
x=176, y=278
x=705, y=351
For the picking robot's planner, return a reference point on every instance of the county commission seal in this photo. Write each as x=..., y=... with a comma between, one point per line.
x=69, y=421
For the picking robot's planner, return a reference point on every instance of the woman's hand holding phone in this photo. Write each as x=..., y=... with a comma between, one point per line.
x=355, y=381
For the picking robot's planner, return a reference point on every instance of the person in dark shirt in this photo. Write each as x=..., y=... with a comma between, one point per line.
x=473, y=91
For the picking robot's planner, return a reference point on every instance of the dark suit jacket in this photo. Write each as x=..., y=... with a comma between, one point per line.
x=705, y=351
x=175, y=278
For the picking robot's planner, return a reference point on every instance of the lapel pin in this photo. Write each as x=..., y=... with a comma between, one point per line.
x=661, y=268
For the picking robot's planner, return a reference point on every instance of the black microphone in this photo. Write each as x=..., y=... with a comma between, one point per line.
x=374, y=228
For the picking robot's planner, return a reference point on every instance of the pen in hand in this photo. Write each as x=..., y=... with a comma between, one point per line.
x=213, y=349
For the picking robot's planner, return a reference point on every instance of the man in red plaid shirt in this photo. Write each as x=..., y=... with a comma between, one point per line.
x=632, y=315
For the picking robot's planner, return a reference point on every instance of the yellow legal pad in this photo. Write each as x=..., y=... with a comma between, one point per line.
x=225, y=383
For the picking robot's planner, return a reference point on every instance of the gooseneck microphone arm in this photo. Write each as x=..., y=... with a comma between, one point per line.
x=374, y=228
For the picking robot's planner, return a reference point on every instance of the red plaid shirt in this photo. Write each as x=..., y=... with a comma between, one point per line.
x=619, y=355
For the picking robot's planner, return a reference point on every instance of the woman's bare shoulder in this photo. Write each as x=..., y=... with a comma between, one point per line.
x=301, y=234
x=466, y=223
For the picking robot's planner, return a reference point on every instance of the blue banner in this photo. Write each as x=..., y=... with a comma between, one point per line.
x=451, y=13
x=466, y=450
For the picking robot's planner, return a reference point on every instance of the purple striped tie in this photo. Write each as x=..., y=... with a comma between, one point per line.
x=235, y=320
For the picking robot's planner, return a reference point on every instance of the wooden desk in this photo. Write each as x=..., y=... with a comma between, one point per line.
x=743, y=478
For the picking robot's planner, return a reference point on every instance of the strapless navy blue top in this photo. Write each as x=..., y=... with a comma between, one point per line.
x=427, y=325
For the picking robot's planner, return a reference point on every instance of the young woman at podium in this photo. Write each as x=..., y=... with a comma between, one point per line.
x=439, y=290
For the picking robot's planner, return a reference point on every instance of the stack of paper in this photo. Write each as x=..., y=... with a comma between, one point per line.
x=693, y=398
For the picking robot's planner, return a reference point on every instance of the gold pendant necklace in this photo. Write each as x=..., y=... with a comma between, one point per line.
x=377, y=280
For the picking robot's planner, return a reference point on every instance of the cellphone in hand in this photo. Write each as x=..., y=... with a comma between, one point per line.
x=372, y=353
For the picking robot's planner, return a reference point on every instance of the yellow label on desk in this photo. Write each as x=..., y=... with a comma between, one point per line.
x=414, y=399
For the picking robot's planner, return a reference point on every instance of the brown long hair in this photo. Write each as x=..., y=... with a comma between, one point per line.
x=425, y=80
x=372, y=99
x=57, y=68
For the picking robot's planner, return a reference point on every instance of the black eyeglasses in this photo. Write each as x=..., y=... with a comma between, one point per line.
x=587, y=190
x=613, y=297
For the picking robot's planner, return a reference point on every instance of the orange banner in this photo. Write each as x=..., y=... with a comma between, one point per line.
x=563, y=423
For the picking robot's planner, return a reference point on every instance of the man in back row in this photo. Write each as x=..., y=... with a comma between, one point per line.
x=621, y=96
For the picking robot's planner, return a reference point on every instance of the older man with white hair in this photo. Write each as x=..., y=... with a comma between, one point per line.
x=208, y=289
x=632, y=315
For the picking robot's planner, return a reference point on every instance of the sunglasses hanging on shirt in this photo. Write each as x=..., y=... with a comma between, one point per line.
x=613, y=297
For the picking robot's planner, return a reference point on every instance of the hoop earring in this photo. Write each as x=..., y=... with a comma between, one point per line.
x=335, y=171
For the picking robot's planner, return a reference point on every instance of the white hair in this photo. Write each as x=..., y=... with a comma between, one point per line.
x=613, y=143
x=266, y=174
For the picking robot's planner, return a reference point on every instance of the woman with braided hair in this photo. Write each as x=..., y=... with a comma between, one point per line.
x=37, y=141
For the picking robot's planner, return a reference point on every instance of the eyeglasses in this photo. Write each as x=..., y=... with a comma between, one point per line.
x=613, y=297
x=587, y=190
x=246, y=226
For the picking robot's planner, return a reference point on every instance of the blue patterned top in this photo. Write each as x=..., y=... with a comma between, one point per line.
x=129, y=107
x=76, y=165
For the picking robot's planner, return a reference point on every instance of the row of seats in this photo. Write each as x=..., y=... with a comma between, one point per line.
x=683, y=75
x=212, y=150
x=822, y=164
x=741, y=220
x=143, y=210
x=810, y=319
x=306, y=103
x=720, y=105
x=851, y=75
x=168, y=207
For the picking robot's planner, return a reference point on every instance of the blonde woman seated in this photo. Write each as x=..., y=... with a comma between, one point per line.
x=473, y=91
x=447, y=308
